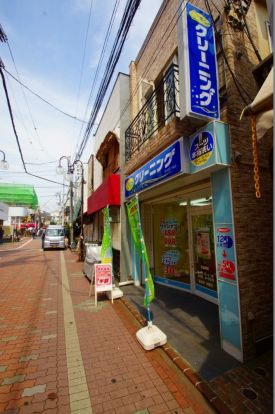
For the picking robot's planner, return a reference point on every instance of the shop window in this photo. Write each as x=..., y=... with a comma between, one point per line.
x=171, y=254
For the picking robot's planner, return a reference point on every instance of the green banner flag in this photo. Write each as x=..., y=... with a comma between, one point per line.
x=136, y=230
x=106, y=246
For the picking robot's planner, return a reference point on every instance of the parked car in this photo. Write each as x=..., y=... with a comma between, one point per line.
x=54, y=238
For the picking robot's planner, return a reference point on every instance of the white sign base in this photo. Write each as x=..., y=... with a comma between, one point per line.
x=151, y=337
x=117, y=293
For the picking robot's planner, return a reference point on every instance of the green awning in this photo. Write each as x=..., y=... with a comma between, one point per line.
x=18, y=195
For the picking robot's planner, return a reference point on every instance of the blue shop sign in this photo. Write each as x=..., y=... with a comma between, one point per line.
x=202, y=73
x=165, y=165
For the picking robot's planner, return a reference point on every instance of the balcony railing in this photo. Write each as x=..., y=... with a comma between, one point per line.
x=159, y=109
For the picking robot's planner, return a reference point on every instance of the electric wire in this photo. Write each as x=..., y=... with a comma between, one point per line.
x=15, y=132
x=43, y=99
x=247, y=31
x=25, y=98
x=41, y=163
x=238, y=85
x=126, y=21
x=3, y=36
x=170, y=26
x=18, y=115
x=83, y=60
x=99, y=64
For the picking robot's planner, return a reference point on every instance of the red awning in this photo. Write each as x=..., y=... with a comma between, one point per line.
x=107, y=194
x=28, y=225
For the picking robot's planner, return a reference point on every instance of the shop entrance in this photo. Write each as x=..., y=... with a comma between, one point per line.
x=203, y=274
x=183, y=253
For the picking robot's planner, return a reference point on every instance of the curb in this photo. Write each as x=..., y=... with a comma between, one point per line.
x=186, y=369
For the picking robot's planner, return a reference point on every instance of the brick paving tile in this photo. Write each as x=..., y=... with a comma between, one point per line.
x=50, y=411
x=63, y=400
x=119, y=376
x=64, y=409
x=13, y=404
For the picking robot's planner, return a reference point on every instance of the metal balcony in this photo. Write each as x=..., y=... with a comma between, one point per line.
x=159, y=109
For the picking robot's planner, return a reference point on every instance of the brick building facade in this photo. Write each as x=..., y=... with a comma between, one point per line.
x=252, y=216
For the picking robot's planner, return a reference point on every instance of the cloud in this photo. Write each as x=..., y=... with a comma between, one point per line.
x=45, y=134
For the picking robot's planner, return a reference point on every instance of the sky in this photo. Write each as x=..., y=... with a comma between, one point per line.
x=54, y=49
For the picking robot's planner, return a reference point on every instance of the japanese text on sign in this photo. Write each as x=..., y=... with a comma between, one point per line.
x=164, y=165
x=202, y=63
x=103, y=277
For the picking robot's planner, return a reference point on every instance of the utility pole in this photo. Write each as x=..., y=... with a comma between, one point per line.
x=62, y=205
x=81, y=212
x=70, y=175
x=71, y=217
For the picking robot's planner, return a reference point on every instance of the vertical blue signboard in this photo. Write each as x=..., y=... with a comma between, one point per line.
x=201, y=75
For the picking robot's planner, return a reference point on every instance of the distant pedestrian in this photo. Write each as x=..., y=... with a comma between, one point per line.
x=1, y=234
x=43, y=237
x=33, y=233
x=15, y=235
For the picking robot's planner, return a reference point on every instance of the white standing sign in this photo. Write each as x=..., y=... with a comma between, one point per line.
x=103, y=279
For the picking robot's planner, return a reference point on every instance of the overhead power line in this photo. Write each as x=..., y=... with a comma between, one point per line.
x=161, y=43
x=83, y=60
x=164, y=38
x=43, y=99
x=238, y=84
x=3, y=36
x=99, y=63
x=15, y=132
x=128, y=15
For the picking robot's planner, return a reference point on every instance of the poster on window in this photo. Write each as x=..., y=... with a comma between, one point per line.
x=171, y=260
x=204, y=255
x=203, y=244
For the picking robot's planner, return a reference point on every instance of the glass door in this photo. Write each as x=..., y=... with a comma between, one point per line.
x=204, y=280
x=171, y=251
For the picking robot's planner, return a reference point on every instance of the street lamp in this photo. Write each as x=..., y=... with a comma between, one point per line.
x=69, y=175
x=3, y=163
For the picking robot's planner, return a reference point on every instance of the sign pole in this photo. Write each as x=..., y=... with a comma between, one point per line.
x=150, y=336
x=107, y=253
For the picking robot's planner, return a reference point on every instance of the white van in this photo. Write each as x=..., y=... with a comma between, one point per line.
x=54, y=238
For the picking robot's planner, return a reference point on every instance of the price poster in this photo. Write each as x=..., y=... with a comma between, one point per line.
x=103, y=277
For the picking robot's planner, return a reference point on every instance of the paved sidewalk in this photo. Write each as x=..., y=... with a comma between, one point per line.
x=60, y=354
x=243, y=388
